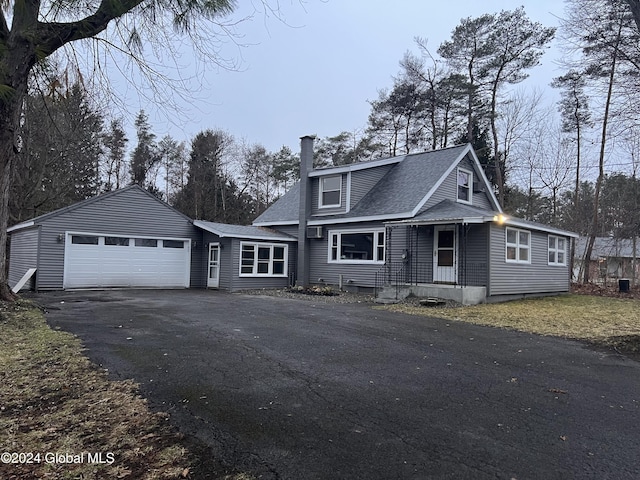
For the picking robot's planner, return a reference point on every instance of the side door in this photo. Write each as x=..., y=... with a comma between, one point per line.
x=213, y=266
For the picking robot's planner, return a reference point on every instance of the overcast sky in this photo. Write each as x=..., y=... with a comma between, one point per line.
x=314, y=72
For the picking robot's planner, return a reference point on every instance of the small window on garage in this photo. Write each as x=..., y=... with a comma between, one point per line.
x=146, y=242
x=173, y=244
x=116, y=241
x=84, y=239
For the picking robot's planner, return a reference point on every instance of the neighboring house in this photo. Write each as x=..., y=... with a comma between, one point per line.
x=425, y=223
x=611, y=259
x=129, y=238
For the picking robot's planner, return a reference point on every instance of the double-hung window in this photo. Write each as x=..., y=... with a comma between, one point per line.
x=465, y=183
x=356, y=246
x=263, y=260
x=330, y=191
x=557, y=250
x=518, y=246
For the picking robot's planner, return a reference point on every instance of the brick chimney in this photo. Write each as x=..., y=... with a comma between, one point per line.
x=304, y=212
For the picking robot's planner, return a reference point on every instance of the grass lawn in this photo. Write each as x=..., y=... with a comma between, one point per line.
x=54, y=401
x=606, y=321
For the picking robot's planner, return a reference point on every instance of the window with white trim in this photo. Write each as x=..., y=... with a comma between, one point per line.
x=356, y=246
x=263, y=259
x=330, y=191
x=518, y=245
x=465, y=183
x=557, y=250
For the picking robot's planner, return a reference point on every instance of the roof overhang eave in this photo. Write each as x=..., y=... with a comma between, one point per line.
x=221, y=234
x=440, y=221
x=20, y=226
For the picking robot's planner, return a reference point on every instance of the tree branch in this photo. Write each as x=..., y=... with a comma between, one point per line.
x=51, y=36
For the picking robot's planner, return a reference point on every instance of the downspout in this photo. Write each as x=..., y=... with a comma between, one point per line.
x=304, y=212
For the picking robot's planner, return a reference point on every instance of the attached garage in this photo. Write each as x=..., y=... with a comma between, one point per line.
x=125, y=238
x=96, y=260
x=130, y=239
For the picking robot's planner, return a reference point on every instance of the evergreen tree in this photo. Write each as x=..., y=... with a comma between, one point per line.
x=145, y=155
x=62, y=144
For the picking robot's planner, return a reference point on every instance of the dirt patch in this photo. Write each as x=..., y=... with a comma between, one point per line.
x=69, y=421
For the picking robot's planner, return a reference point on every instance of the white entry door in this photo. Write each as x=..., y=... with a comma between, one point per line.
x=445, y=260
x=213, y=278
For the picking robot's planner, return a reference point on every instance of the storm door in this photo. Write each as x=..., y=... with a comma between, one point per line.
x=445, y=259
x=213, y=277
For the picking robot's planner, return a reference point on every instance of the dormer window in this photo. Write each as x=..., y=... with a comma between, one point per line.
x=465, y=182
x=330, y=191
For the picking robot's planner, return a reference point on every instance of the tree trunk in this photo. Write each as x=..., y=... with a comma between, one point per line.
x=603, y=142
x=14, y=67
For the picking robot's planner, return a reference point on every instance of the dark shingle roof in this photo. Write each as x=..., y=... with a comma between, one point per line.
x=405, y=186
x=399, y=192
x=241, y=231
x=448, y=210
x=284, y=210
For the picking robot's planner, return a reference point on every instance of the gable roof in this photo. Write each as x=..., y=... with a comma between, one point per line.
x=223, y=230
x=401, y=193
x=83, y=203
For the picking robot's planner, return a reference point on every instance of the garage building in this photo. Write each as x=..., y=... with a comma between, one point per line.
x=125, y=238
x=130, y=238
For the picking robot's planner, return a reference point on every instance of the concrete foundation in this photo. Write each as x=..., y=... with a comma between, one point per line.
x=462, y=295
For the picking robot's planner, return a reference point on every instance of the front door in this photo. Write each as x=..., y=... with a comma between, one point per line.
x=213, y=278
x=445, y=260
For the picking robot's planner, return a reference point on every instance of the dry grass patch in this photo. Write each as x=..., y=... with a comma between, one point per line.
x=54, y=401
x=608, y=321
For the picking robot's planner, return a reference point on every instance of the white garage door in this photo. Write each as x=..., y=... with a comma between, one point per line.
x=118, y=261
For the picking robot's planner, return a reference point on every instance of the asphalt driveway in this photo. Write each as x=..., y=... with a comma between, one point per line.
x=299, y=389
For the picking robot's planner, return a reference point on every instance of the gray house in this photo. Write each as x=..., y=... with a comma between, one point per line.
x=611, y=259
x=129, y=238
x=425, y=223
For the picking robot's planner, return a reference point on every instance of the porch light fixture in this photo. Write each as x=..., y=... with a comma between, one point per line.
x=500, y=218
x=60, y=237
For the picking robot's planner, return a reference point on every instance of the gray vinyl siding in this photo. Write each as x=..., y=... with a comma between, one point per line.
x=23, y=256
x=448, y=190
x=364, y=180
x=315, y=197
x=128, y=212
x=356, y=275
x=291, y=230
x=473, y=255
x=248, y=283
x=515, y=278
